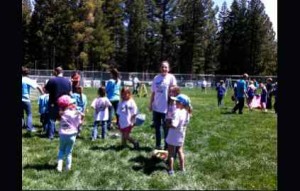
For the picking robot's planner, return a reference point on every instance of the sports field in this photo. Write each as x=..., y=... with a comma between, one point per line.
x=223, y=151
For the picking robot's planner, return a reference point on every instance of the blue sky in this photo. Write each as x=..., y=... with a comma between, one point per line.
x=270, y=8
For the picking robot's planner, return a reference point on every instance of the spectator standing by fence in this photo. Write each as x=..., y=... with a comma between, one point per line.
x=135, y=84
x=159, y=101
x=56, y=87
x=113, y=88
x=27, y=84
x=204, y=85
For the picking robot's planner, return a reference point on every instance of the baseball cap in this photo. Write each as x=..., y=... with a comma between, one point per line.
x=183, y=99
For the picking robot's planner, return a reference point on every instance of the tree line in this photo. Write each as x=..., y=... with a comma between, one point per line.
x=195, y=36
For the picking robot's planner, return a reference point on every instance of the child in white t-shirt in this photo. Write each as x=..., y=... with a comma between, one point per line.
x=176, y=134
x=127, y=111
x=70, y=119
x=100, y=105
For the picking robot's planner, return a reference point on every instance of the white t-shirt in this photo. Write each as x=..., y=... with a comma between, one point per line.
x=171, y=110
x=126, y=109
x=160, y=87
x=180, y=121
x=101, y=105
x=204, y=83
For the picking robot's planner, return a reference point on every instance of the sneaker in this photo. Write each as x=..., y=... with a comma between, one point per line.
x=32, y=130
x=136, y=145
x=59, y=169
x=59, y=166
x=68, y=167
x=171, y=172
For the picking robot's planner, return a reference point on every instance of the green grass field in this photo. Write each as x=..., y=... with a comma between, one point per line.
x=223, y=151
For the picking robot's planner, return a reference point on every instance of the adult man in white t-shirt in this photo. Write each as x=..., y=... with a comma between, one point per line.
x=159, y=101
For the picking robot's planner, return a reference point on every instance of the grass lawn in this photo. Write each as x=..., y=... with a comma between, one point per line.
x=223, y=151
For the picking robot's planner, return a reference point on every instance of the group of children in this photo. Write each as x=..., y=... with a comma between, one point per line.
x=72, y=111
x=73, y=108
x=252, y=91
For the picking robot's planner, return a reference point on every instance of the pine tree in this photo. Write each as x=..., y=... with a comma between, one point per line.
x=114, y=17
x=223, y=39
x=102, y=47
x=136, y=36
x=26, y=17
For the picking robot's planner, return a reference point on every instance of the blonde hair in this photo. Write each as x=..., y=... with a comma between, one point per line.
x=126, y=90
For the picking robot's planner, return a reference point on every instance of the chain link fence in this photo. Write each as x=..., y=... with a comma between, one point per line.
x=94, y=78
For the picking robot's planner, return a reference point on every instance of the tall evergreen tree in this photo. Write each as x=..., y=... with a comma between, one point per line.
x=152, y=41
x=210, y=44
x=262, y=39
x=136, y=36
x=192, y=50
x=83, y=29
x=26, y=17
x=114, y=17
x=102, y=47
x=51, y=33
x=223, y=39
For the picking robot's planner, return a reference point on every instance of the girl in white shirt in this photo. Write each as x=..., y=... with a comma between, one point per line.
x=127, y=111
x=176, y=134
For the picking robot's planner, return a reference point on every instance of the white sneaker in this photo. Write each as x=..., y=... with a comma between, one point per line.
x=68, y=167
x=59, y=165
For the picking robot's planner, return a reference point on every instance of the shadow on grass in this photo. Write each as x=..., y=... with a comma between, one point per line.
x=148, y=165
x=38, y=133
x=112, y=147
x=119, y=148
x=40, y=166
x=227, y=113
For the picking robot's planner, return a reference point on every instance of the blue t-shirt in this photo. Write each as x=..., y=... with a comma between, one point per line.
x=81, y=101
x=43, y=103
x=221, y=90
x=241, y=88
x=113, y=90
